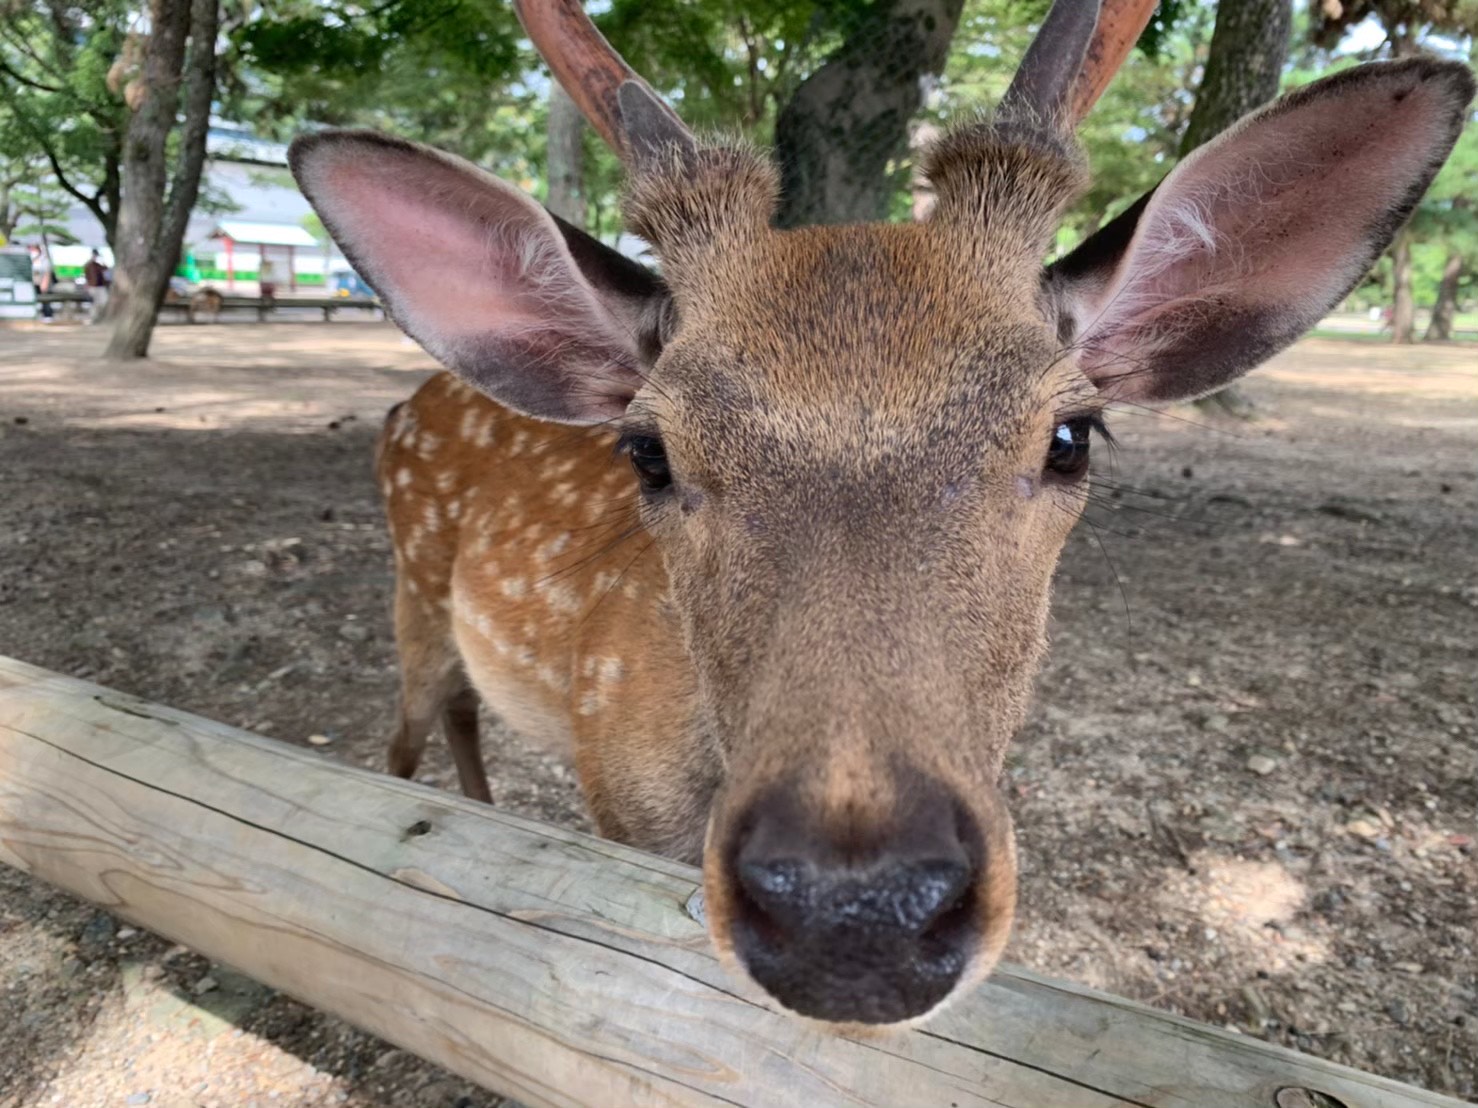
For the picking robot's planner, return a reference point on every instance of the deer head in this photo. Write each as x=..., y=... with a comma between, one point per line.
x=860, y=449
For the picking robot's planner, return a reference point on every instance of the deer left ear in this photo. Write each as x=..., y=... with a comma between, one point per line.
x=538, y=315
x=1256, y=235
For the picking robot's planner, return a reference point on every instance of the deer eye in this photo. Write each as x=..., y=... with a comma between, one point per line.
x=649, y=460
x=1067, y=453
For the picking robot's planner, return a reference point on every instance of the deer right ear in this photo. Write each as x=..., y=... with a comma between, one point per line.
x=1256, y=235
x=529, y=310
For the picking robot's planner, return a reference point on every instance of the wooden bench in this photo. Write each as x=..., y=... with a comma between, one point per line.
x=67, y=299
x=264, y=308
x=551, y=966
x=328, y=305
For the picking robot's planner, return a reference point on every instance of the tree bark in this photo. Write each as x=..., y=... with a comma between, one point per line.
x=837, y=133
x=1403, y=306
x=566, y=158
x=1244, y=65
x=1444, y=308
x=151, y=219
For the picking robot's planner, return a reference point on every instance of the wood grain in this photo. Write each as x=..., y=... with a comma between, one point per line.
x=545, y=964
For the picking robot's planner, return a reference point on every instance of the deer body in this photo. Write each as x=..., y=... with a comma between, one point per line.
x=519, y=576
x=846, y=460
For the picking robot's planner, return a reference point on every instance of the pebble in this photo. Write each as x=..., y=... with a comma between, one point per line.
x=354, y=632
x=319, y=740
x=138, y=1098
x=99, y=930
x=1261, y=764
x=205, y=985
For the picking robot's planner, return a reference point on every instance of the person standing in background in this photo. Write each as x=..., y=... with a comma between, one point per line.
x=42, y=278
x=267, y=277
x=95, y=276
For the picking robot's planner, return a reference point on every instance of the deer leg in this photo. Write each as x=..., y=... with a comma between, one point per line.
x=430, y=677
x=420, y=703
x=459, y=719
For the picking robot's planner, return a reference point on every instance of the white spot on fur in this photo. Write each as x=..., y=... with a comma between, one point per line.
x=561, y=598
x=514, y=587
x=402, y=477
x=555, y=546
x=552, y=677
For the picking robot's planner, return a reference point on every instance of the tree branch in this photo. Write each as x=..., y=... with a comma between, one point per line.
x=27, y=81
x=38, y=134
x=200, y=87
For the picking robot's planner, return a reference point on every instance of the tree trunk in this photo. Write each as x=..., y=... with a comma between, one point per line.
x=1445, y=306
x=1244, y=65
x=836, y=135
x=566, y=158
x=1403, y=307
x=151, y=222
x=10, y=215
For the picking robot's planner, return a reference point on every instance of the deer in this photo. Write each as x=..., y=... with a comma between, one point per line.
x=834, y=467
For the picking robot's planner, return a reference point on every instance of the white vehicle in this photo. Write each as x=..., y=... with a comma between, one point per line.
x=17, y=292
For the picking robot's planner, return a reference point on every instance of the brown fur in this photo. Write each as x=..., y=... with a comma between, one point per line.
x=850, y=585
x=839, y=606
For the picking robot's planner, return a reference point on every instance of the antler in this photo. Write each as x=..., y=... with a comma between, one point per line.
x=1074, y=56
x=1120, y=23
x=633, y=119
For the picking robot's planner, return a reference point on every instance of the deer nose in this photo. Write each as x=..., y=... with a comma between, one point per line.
x=879, y=935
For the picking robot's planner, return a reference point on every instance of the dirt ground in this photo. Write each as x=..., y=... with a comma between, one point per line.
x=1248, y=794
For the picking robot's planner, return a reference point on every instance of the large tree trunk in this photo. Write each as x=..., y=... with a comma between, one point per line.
x=151, y=222
x=836, y=135
x=1445, y=306
x=1403, y=307
x=566, y=158
x=1244, y=65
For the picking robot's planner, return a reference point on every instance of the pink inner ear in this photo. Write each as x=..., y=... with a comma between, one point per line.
x=458, y=253
x=1277, y=216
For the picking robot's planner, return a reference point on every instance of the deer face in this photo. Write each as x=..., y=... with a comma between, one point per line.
x=863, y=490
x=860, y=449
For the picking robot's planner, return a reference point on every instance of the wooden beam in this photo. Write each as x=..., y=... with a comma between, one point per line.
x=554, y=967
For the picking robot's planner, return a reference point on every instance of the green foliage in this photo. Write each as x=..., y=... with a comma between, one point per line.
x=57, y=108
x=437, y=71
x=460, y=75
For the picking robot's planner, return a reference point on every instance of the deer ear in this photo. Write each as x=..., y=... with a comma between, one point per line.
x=529, y=310
x=1256, y=235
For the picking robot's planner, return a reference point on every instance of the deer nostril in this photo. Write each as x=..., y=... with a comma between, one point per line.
x=772, y=898
x=925, y=892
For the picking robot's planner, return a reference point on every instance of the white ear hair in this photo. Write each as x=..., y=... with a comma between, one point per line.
x=1257, y=234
